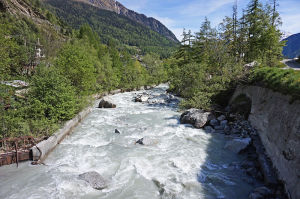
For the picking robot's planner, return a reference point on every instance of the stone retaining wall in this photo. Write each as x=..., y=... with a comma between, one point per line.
x=277, y=119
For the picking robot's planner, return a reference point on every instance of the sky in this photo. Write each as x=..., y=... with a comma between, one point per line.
x=189, y=14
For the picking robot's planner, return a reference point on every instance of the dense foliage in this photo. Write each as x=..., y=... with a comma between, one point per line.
x=210, y=63
x=111, y=27
x=61, y=83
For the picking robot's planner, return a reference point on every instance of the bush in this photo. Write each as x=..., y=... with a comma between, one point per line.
x=52, y=96
x=75, y=63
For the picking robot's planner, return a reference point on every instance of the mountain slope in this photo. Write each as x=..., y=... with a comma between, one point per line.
x=113, y=27
x=23, y=26
x=118, y=8
x=292, y=48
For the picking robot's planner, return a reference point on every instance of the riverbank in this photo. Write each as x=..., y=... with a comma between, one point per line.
x=264, y=125
x=39, y=148
x=175, y=160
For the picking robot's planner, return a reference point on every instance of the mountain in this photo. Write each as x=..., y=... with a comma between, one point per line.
x=285, y=35
x=118, y=8
x=24, y=24
x=292, y=48
x=112, y=27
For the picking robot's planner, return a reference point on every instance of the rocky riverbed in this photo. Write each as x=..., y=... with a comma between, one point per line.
x=103, y=158
x=244, y=139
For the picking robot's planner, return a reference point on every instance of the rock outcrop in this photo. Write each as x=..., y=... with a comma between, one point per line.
x=94, y=179
x=276, y=118
x=117, y=7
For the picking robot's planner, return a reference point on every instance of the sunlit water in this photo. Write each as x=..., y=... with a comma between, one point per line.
x=179, y=163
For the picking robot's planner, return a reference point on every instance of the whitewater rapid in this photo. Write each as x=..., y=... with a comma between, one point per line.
x=179, y=162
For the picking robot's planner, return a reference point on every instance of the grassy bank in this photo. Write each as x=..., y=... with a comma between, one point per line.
x=283, y=81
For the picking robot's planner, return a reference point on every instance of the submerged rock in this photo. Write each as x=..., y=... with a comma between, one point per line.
x=141, y=98
x=104, y=103
x=146, y=141
x=221, y=118
x=197, y=117
x=214, y=122
x=94, y=179
x=140, y=141
x=237, y=145
x=209, y=129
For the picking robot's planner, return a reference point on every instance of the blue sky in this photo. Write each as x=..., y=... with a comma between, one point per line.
x=189, y=14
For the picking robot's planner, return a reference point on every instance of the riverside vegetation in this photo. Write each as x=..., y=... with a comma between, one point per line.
x=204, y=70
x=76, y=65
x=210, y=63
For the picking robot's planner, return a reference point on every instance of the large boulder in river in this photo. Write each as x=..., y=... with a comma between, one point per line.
x=197, y=117
x=238, y=144
x=104, y=103
x=94, y=179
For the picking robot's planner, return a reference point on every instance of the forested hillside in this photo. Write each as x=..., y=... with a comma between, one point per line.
x=63, y=67
x=111, y=27
x=117, y=7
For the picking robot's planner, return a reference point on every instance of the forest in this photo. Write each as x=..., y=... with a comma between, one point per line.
x=113, y=28
x=74, y=67
x=81, y=60
x=241, y=50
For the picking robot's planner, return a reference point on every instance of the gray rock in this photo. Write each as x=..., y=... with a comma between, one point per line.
x=141, y=98
x=214, y=122
x=246, y=164
x=219, y=127
x=197, y=117
x=219, y=131
x=237, y=145
x=264, y=191
x=209, y=129
x=227, y=130
x=94, y=179
x=221, y=118
x=255, y=195
x=104, y=103
x=224, y=123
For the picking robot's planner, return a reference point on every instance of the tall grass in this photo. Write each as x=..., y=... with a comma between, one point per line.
x=277, y=79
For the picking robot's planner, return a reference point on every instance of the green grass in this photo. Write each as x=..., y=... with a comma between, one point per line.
x=283, y=81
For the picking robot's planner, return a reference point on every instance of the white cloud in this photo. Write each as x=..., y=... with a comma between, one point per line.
x=291, y=23
x=204, y=7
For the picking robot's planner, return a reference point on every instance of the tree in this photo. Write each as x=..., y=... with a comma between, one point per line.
x=76, y=62
x=51, y=96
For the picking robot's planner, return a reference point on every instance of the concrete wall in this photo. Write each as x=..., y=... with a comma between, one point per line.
x=277, y=119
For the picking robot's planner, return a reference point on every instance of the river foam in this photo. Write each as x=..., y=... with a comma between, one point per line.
x=176, y=162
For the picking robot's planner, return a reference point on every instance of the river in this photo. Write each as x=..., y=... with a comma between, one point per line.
x=179, y=162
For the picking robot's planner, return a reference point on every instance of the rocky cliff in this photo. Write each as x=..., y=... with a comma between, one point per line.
x=277, y=119
x=118, y=8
